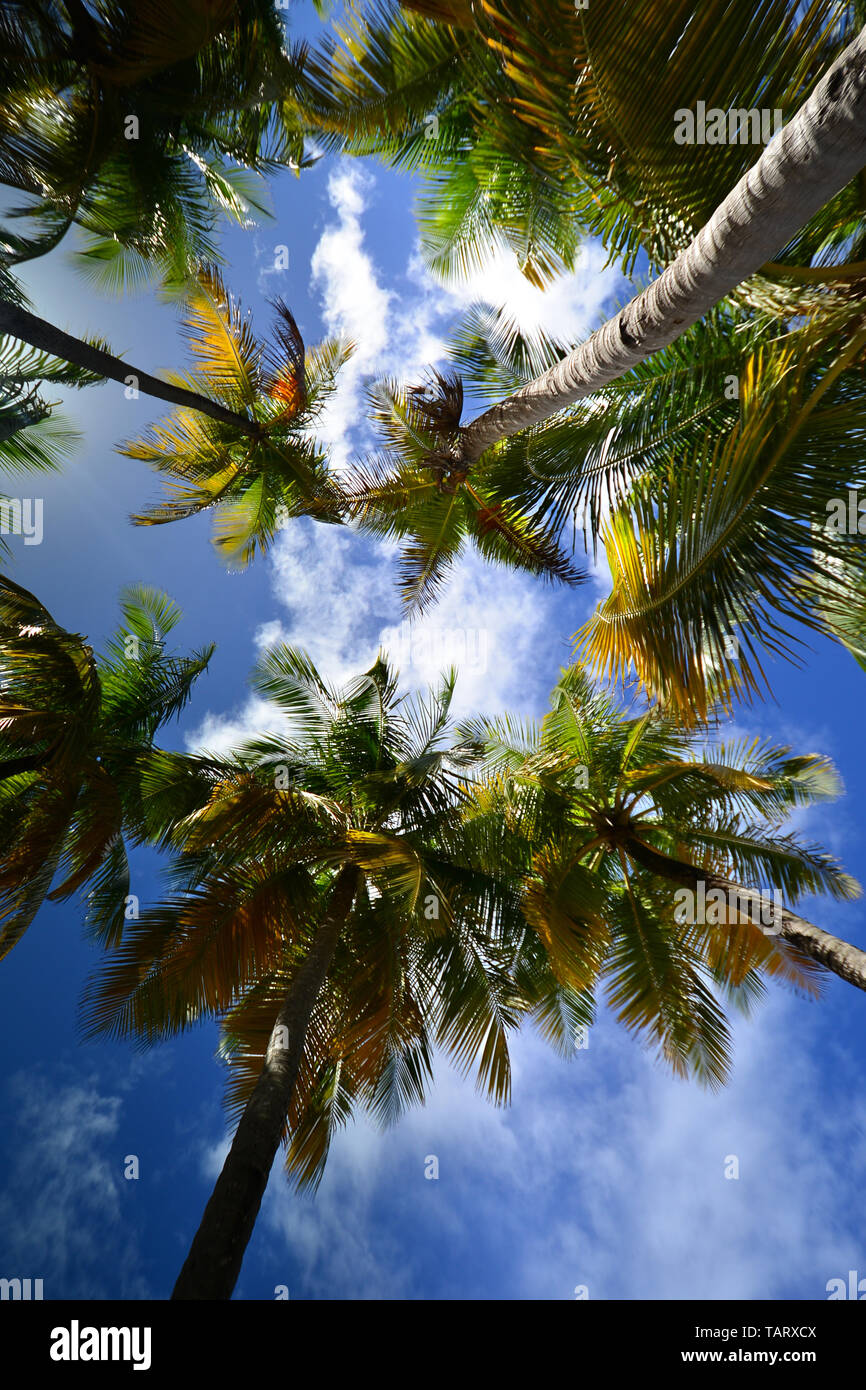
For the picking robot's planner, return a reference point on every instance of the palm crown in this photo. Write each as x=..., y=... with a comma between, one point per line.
x=255, y=476
x=531, y=126
x=609, y=809
x=363, y=785
x=415, y=492
x=76, y=730
x=139, y=122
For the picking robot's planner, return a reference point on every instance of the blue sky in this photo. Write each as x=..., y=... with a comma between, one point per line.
x=604, y=1172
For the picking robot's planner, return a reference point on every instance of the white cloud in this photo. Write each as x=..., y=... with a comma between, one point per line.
x=354, y=305
x=335, y=586
x=62, y=1215
x=568, y=309
x=506, y=632
x=218, y=733
x=340, y=594
x=605, y=1172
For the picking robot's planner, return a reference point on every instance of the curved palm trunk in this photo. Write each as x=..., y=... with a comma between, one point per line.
x=39, y=333
x=812, y=159
x=843, y=959
x=214, y=1261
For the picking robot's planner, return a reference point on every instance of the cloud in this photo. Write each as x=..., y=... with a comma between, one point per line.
x=62, y=1214
x=606, y=1172
x=340, y=596
x=506, y=632
x=354, y=305
x=568, y=309
x=218, y=733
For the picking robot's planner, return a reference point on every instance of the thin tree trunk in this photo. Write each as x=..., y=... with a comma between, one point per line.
x=816, y=154
x=19, y=323
x=29, y=762
x=214, y=1261
x=843, y=959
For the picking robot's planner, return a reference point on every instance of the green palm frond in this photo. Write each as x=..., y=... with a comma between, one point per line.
x=254, y=479
x=76, y=732
x=657, y=989
x=713, y=563
x=203, y=83
x=33, y=436
x=571, y=470
x=416, y=493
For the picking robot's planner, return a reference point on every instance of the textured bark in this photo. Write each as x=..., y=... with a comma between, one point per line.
x=845, y=960
x=214, y=1261
x=840, y=957
x=19, y=323
x=816, y=154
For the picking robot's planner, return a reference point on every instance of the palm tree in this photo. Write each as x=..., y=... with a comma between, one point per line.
x=707, y=472
x=339, y=918
x=270, y=470
x=704, y=471
x=793, y=179
x=253, y=455
x=721, y=555
x=530, y=125
x=646, y=850
x=412, y=491
x=762, y=214
x=75, y=731
x=32, y=435
x=140, y=123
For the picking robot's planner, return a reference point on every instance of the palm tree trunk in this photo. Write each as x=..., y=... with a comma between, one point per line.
x=843, y=959
x=19, y=323
x=30, y=762
x=214, y=1261
x=817, y=153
